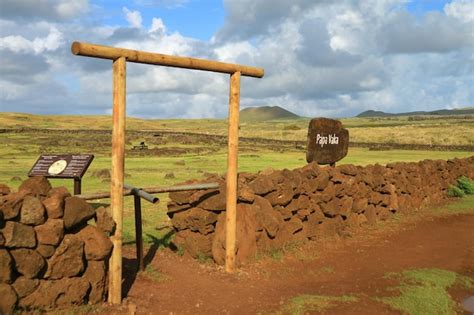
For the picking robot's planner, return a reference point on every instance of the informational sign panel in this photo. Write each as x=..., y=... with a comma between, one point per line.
x=328, y=141
x=61, y=165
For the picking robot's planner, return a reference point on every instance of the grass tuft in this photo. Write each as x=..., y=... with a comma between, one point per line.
x=466, y=185
x=455, y=191
x=303, y=304
x=424, y=291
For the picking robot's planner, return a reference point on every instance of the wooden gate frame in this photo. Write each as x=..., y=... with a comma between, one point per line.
x=120, y=56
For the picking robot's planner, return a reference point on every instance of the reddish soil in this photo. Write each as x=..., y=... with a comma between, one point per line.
x=354, y=265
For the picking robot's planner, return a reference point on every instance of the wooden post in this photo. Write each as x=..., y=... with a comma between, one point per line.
x=231, y=181
x=116, y=189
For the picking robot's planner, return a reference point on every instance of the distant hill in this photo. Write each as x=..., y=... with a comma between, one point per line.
x=440, y=112
x=263, y=113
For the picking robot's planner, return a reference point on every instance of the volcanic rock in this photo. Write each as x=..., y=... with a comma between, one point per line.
x=97, y=246
x=322, y=180
x=192, y=197
x=37, y=186
x=32, y=211
x=246, y=242
x=282, y=196
x=104, y=220
x=359, y=205
x=24, y=286
x=200, y=220
x=267, y=217
x=285, y=213
x=262, y=185
x=18, y=235
x=214, y=203
x=302, y=202
x=175, y=207
x=60, y=191
x=67, y=260
x=349, y=169
x=371, y=215
x=57, y=294
x=6, y=266
x=76, y=212
x=196, y=244
x=54, y=206
x=45, y=250
x=245, y=194
x=28, y=262
x=8, y=300
x=10, y=205
x=95, y=274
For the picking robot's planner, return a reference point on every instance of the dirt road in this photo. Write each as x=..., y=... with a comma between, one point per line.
x=356, y=265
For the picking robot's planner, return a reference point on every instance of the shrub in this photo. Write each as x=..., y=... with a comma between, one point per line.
x=466, y=185
x=455, y=191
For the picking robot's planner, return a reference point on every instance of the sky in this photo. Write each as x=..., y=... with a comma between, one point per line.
x=321, y=57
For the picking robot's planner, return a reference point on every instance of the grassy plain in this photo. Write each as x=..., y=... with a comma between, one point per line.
x=184, y=158
x=446, y=130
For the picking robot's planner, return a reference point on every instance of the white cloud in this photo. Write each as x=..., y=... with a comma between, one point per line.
x=134, y=18
x=43, y=9
x=461, y=9
x=38, y=45
x=403, y=33
x=157, y=26
x=68, y=9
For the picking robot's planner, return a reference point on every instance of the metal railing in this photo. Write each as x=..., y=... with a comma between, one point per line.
x=146, y=193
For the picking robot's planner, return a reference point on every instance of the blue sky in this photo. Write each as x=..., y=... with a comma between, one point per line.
x=420, y=7
x=321, y=58
x=199, y=19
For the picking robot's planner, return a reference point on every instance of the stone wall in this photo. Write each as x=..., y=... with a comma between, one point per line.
x=49, y=256
x=280, y=206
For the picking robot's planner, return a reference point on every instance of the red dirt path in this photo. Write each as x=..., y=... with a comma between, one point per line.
x=354, y=265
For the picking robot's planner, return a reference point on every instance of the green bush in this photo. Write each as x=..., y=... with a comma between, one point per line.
x=466, y=185
x=455, y=191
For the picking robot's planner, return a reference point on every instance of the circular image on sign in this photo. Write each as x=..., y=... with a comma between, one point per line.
x=57, y=167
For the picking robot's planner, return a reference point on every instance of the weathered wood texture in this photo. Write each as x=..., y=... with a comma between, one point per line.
x=231, y=181
x=116, y=189
x=107, y=52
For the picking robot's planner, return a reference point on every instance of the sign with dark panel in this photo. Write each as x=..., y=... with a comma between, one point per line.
x=328, y=141
x=61, y=165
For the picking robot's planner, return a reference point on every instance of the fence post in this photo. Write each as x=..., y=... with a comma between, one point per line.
x=138, y=230
x=231, y=181
x=116, y=189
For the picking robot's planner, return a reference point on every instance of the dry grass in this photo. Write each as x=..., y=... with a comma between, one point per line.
x=448, y=130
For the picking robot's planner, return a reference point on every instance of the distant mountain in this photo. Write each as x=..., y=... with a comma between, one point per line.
x=440, y=112
x=263, y=113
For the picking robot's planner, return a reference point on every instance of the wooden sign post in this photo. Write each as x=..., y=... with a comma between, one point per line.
x=328, y=141
x=63, y=166
x=119, y=56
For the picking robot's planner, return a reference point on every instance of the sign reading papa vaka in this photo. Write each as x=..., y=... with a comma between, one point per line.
x=328, y=141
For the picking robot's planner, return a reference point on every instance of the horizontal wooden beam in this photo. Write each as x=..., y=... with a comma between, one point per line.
x=113, y=53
